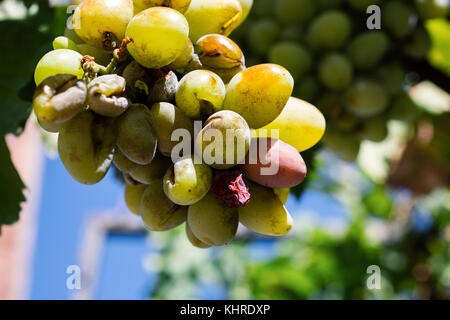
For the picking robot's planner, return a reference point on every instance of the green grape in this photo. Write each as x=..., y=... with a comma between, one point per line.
x=293, y=33
x=70, y=33
x=403, y=108
x=262, y=8
x=136, y=137
x=366, y=98
x=123, y=163
x=292, y=56
x=259, y=93
x=282, y=194
x=106, y=95
x=159, y=36
x=129, y=180
x=166, y=119
x=429, y=9
x=368, y=49
x=344, y=145
x=362, y=5
x=335, y=71
x=155, y=170
x=246, y=6
x=102, y=23
x=294, y=11
x=224, y=140
x=183, y=60
x=58, y=61
x=398, y=18
x=344, y=120
x=298, y=119
x=179, y=5
x=64, y=43
x=86, y=147
x=374, y=130
x=208, y=17
x=419, y=45
x=331, y=4
x=265, y=213
x=194, y=240
x=186, y=183
x=102, y=57
x=392, y=76
x=200, y=94
x=211, y=222
x=133, y=196
x=220, y=55
x=59, y=98
x=261, y=36
x=330, y=30
x=307, y=89
x=157, y=211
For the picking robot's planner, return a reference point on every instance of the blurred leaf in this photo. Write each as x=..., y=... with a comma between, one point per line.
x=440, y=52
x=378, y=202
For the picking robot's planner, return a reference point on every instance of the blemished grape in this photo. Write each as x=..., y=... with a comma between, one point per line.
x=335, y=71
x=167, y=118
x=368, y=49
x=259, y=93
x=294, y=11
x=265, y=213
x=179, y=5
x=262, y=35
x=59, y=98
x=220, y=55
x=106, y=95
x=419, y=45
x=329, y=31
x=298, y=119
x=102, y=23
x=186, y=182
x=366, y=98
x=194, y=240
x=58, y=61
x=211, y=222
x=208, y=17
x=398, y=18
x=64, y=43
x=155, y=170
x=159, y=36
x=292, y=56
x=429, y=9
x=164, y=88
x=200, y=94
x=159, y=213
x=136, y=137
x=102, y=57
x=86, y=147
x=133, y=196
x=224, y=140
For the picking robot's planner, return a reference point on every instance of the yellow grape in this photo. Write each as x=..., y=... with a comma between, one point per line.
x=246, y=6
x=133, y=196
x=159, y=36
x=211, y=222
x=282, y=194
x=102, y=23
x=300, y=124
x=157, y=211
x=259, y=93
x=58, y=61
x=218, y=16
x=64, y=43
x=179, y=5
x=194, y=240
x=86, y=147
x=265, y=213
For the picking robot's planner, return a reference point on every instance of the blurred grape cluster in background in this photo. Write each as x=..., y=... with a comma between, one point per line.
x=377, y=189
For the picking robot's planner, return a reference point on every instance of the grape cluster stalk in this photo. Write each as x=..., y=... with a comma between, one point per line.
x=356, y=75
x=134, y=77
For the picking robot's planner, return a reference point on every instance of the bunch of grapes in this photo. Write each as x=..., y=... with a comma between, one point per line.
x=157, y=89
x=353, y=73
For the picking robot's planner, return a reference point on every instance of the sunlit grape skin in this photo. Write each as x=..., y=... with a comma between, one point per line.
x=265, y=213
x=179, y=5
x=212, y=222
x=86, y=147
x=102, y=23
x=259, y=93
x=159, y=36
x=58, y=61
x=207, y=17
x=200, y=94
x=186, y=183
x=298, y=119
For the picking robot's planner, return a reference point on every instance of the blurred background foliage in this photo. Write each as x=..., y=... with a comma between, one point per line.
x=395, y=196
